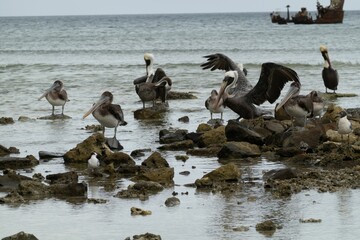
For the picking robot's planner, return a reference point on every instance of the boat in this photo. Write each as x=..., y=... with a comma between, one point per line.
x=333, y=13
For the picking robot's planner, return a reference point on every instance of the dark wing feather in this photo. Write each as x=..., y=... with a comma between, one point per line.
x=219, y=61
x=272, y=80
x=117, y=112
x=159, y=74
x=140, y=80
x=63, y=95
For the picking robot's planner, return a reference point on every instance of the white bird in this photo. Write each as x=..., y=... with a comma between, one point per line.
x=344, y=125
x=93, y=162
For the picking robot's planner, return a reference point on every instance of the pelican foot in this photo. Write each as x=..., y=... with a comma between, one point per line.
x=114, y=144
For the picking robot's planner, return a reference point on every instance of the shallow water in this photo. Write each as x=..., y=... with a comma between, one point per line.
x=92, y=54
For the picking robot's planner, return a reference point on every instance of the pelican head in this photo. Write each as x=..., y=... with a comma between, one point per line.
x=228, y=82
x=105, y=98
x=293, y=91
x=323, y=49
x=57, y=86
x=343, y=114
x=149, y=60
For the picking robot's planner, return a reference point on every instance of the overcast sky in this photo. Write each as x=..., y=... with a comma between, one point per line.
x=91, y=7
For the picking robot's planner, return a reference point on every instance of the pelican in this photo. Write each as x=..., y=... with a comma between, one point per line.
x=268, y=88
x=93, y=162
x=212, y=106
x=344, y=125
x=144, y=86
x=297, y=106
x=109, y=116
x=329, y=74
x=318, y=104
x=56, y=96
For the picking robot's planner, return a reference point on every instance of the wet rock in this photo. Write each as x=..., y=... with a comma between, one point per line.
x=94, y=128
x=97, y=200
x=310, y=220
x=6, y=120
x=12, y=198
x=178, y=146
x=139, y=211
x=336, y=137
x=155, y=112
x=67, y=177
x=205, y=152
x=18, y=162
x=185, y=173
x=141, y=189
x=184, y=119
x=312, y=137
x=172, y=95
x=267, y=227
x=183, y=158
x=172, y=202
x=155, y=160
x=278, y=174
x=55, y=117
x=139, y=152
x=25, y=119
x=193, y=137
x=241, y=229
x=332, y=114
x=203, y=127
x=14, y=150
x=4, y=151
x=21, y=236
x=119, y=159
x=47, y=155
x=82, y=152
x=167, y=136
x=163, y=175
x=69, y=190
x=146, y=236
x=228, y=172
x=212, y=137
x=234, y=150
x=236, y=131
x=129, y=171
x=38, y=177
x=289, y=151
x=215, y=122
x=33, y=189
x=275, y=126
x=10, y=180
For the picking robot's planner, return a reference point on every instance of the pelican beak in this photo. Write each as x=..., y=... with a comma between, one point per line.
x=95, y=106
x=47, y=91
x=292, y=91
x=218, y=100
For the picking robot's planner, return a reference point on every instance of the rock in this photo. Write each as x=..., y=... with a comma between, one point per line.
x=281, y=114
x=21, y=236
x=193, y=137
x=97, y=200
x=139, y=152
x=172, y=95
x=203, y=127
x=172, y=202
x=312, y=137
x=18, y=162
x=10, y=180
x=289, y=151
x=241, y=229
x=146, y=236
x=178, y=146
x=278, y=174
x=212, y=137
x=183, y=158
x=310, y=220
x=155, y=112
x=205, y=152
x=25, y=119
x=139, y=211
x=69, y=190
x=93, y=128
x=336, y=137
x=12, y=198
x=235, y=131
x=167, y=136
x=184, y=119
x=4, y=151
x=47, y=155
x=266, y=226
x=141, y=189
x=235, y=150
x=155, y=160
x=185, y=173
x=163, y=175
x=33, y=189
x=14, y=150
x=55, y=117
x=332, y=114
x=82, y=152
x=119, y=159
x=275, y=126
x=6, y=120
x=65, y=178
x=228, y=172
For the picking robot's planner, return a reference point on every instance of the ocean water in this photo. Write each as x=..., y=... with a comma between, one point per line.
x=93, y=54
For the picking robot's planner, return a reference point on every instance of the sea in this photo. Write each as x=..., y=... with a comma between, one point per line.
x=93, y=54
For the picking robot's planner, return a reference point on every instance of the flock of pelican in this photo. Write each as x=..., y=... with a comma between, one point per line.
x=236, y=93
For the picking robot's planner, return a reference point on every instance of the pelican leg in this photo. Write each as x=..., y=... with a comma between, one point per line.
x=113, y=143
x=143, y=104
x=221, y=116
x=211, y=115
x=62, y=112
x=53, y=110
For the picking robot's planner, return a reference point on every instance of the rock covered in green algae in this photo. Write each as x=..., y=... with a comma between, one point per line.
x=6, y=120
x=228, y=172
x=155, y=112
x=55, y=117
x=235, y=150
x=212, y=137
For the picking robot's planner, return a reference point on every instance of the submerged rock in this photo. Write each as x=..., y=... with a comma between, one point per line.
x=146, y=236
x=229, y=172
x=163, y=175
x=178, y=146
x=155, y=160
x=234, y=150
x=67, y=177
x=47, y=155
x=6, y=120
x=21, y=236
x=172, y=95
x=154, y=112
x=212, y=137
x=172, y=136
x=141, y=190
x=119, y=159
x=139, y=211
x=55, y=117
x=267, y=227
x=172, y=202
x=4, y=151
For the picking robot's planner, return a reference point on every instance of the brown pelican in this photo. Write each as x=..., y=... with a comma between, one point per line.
x=109, y=116
x=329, y=74
x=56, y=96
x=318, y=104
x=297, y=106
x=272, y=80
x=344, y=125
x=152, y=77
x=212, y=104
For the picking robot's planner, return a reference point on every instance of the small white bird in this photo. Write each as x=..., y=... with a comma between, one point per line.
x=93, y=162
x=212, y=104
x=344, y=125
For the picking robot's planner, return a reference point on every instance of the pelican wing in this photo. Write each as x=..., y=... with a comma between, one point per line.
x=159, y=74
x=116, y=111
x=219, y=61
x=140, y=80
x=272, y=80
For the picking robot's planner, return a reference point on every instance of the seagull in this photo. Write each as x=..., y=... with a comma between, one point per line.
x=93, y=162
x=344, y=125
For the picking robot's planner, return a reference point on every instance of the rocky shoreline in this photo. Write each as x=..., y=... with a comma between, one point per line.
x=316, y=157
